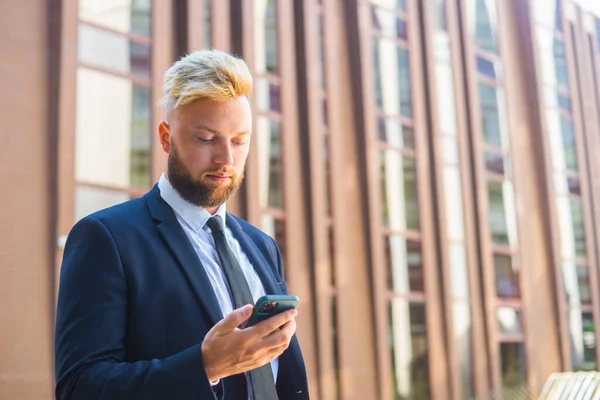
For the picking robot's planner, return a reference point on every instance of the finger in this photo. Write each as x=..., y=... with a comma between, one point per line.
x=280, y=337
x=267, y=326
x=233, y=320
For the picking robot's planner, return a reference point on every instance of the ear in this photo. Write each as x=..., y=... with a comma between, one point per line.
x=164, y=136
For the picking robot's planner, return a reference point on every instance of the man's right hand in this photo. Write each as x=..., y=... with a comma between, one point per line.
x=228, y=350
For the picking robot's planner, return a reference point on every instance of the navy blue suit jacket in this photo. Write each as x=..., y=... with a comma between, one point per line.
x=135, y=303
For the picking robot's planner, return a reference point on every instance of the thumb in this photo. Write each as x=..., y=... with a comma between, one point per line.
x=234, y=319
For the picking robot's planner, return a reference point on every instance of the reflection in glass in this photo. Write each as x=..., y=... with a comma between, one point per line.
x=553, y=58
x=491, y=123
x=88, y=200
x=392, y=77
x=267, y=95
x=208, y=24
x=269, y=163
x=439, y=14
x=572, y=228
x=112, y=151
x=265, y=37
x=109, y=50
x=395, y=134
x=453, y=197
x=486, y=67
x=509, y=321
x=409, y=350
x=582, y=332
x=122, y=15
x=404, y=265
x=399, y=191
x=501, y=213
x=563, y=148
x=507, y=276
x=576, y=280
x=495, y=163
x=486, y=25
x=548, y=12
x=512, y=356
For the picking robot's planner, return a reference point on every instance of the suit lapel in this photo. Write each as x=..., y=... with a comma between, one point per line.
x=260, y=264
x=182, y=250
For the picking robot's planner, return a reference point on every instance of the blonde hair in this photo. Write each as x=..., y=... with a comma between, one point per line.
x=205, y=74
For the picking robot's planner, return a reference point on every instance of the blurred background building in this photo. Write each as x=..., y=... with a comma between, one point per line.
x=429, y=168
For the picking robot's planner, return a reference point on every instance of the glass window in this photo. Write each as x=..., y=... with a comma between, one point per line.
x=89, y=200
x=565, y=185
x=439, y=16
x=122, y=15
x=512, y=356
x=112, y=151
x=267, y=96
x=104, y=49
x=507, y=276
x=563, y=148
x=458, y=271
x=391, y=4
x=509, y=321
x=409, y=349
x=449, y=147
x=496, y=164
x=386, y=22
x=577, y=283
x=572, y=228
x=265, y=36
x=453, y=198
x=321, y=52
x=491, y=118
x=553, y=58
x=583, y=340
x=548, y=13
x=395, y=134
x=208, y=24
x=486, y=68
x=501, y=213
x=392, y=78
x=446, y=107
x=486, y=25
x=399, y=191
x=462, y=338
x=269, y=162
x=405, y=267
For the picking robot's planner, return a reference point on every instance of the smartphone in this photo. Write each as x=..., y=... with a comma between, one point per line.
x=269, y=305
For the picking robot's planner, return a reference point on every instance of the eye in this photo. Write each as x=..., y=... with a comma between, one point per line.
x=205, y=141
x=238, y=142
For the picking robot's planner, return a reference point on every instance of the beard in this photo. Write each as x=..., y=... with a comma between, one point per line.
x=200, y=191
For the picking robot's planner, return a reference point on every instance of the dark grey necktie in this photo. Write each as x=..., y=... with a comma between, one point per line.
x=263, y=386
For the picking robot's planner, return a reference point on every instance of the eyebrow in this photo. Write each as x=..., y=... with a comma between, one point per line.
x=216, y=132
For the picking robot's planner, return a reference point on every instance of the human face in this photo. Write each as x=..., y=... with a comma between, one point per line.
x=207, y=143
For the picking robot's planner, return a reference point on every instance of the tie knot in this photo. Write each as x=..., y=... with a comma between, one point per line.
x=215, y=224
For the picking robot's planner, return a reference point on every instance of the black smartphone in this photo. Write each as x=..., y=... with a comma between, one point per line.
x=269, y=305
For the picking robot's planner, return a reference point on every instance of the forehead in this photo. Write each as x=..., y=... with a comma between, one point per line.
x=226, y=117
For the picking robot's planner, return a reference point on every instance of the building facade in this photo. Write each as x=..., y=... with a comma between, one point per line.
x=429, y=168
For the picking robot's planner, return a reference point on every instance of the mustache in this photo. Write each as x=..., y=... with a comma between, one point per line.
x=223, y=170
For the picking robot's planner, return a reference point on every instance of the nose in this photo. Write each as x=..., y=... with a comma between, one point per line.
x=224, y=154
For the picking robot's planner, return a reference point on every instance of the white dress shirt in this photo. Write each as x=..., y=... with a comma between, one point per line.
x=193, y=221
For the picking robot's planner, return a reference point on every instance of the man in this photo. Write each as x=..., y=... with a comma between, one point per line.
x=153, y=291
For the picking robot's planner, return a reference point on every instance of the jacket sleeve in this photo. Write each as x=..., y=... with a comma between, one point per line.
x=90, y=329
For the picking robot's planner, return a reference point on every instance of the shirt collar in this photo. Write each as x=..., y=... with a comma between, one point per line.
x=195, y=217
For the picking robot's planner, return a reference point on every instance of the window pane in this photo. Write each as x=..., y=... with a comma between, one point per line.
x=123, y=15
x=321, y=52
x=444, y=82
x=582, y=332
x=554, y=98
x=449, y=147
x=577, y=283
x=486, y=67
x=112, y=151
x=562, y=142
x=207, y=24
x=395, y=134
x=553, y=60
x=404, y=265
x=572, y=228
x=265, y=36
x=399, y=191
x=501, y=215
x=512, y=356
x=491, y=117
x=547, y=12
x=409, y=350
x=392, y=78
x=462, y=338
x=269, y=162
x=112, y=51
x=453, y=199
x=509, y=321
x=391, y=4
x=267, y=95
x=458, y=271
x=496, y=163
x=566, y=185
x=439, y=14
x=507, y=276
x=486, y=25
x=89, y=200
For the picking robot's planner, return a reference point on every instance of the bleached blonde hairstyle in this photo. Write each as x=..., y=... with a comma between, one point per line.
x=205, y=74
